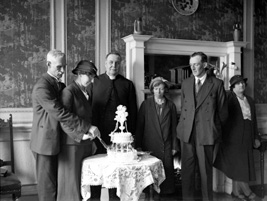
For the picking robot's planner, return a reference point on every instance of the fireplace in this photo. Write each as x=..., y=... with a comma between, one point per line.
x=228, y=55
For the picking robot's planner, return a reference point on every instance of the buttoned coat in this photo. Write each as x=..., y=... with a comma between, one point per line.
x=74, y=149
x=75, y=101
x=158, y=135
x=235, y=156
x=47, y=113
x=207, y=112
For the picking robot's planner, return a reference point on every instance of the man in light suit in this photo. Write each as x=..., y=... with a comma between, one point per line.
x=48, y=113
x=203, y=112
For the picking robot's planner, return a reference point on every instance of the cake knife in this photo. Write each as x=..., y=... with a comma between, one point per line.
x=102, y=142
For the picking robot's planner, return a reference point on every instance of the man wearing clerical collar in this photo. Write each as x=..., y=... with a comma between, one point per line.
x=108, y=92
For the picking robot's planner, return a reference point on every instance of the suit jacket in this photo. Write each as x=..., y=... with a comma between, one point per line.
x=47, y=113
x=207, y=111
x=75, y=101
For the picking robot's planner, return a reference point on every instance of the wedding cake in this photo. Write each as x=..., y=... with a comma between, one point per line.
x=121, y=149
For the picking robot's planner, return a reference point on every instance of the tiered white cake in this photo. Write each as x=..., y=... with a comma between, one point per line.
x=121, y=149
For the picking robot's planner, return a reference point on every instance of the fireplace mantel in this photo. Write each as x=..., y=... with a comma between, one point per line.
x=139, y=45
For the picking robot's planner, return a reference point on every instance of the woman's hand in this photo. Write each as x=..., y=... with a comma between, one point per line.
x=92, y=133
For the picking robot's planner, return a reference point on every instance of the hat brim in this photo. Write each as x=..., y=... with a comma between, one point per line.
x=239, y=80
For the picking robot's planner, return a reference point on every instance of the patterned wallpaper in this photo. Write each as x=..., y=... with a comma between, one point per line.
x=80, y=33
x=25, y=36
x=213, y=20
x=260, y=73
x=24, y=42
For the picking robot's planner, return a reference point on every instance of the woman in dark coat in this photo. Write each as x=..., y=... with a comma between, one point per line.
x=235, y=156
x=76, y=146
x=156, y=130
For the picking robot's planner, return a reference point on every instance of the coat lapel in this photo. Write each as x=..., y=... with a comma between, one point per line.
x=190, y=88
x=204, y=91
x=165, y=110
x=79, y=92
x=155, y=116
x=52, y=81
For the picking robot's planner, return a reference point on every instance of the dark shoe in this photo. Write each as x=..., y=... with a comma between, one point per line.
x=239, y=196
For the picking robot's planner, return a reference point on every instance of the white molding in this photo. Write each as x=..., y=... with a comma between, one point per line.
x=52, y=25
x=108, y=24
x=97, y=33
x=248, y=35
x=58, y=24
x=22, y=117
x=103, y=33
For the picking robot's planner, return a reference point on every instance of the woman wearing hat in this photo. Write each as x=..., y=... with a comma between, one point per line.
x=240, y=135
x=156, y=130
x=76, y=146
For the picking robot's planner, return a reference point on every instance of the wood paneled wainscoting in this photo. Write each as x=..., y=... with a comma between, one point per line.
x=24, y=160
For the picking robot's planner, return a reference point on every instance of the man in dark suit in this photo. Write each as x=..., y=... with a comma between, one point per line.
x=48, y=113
x=203, y=112
x=109, y=91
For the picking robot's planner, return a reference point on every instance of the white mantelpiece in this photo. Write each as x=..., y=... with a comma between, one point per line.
x=139, y=45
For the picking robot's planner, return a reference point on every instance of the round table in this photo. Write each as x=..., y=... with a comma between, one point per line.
x=129, y=179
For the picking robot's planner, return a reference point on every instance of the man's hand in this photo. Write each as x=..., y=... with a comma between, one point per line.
x=87, y=136
x=257, y=143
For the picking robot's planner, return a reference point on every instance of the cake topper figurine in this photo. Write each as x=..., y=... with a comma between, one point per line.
x=121, y=118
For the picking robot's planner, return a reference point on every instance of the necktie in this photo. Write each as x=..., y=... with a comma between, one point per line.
x=198, y=85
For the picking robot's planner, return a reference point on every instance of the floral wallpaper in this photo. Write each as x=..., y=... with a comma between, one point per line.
x=80, y=33
x=25, y=36
x=260, y=66
x=24, y=42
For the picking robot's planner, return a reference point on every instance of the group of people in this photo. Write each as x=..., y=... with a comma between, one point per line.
x=66, y=121
x=213, y=119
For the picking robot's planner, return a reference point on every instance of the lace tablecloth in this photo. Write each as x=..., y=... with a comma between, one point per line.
x=129, y=179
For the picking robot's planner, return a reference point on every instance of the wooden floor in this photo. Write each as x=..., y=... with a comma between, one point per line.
x=30, y=195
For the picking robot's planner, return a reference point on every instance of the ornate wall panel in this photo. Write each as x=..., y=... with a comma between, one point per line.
x=24, y=42
x=80, y=32
x=260, y=73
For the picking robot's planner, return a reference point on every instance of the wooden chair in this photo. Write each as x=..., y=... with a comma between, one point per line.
x=9, y=182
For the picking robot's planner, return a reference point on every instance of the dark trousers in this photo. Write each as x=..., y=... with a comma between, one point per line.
x=96, y=190
x=46, y=173
x=196, y=158
x=69, y=171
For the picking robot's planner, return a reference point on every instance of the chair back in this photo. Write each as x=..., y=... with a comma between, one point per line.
x=9, y=125
x=9, y=183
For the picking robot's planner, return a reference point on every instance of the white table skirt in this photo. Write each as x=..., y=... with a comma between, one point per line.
x=129, y=179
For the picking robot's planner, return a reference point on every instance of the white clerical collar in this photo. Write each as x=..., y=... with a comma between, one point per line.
x=202, y=79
